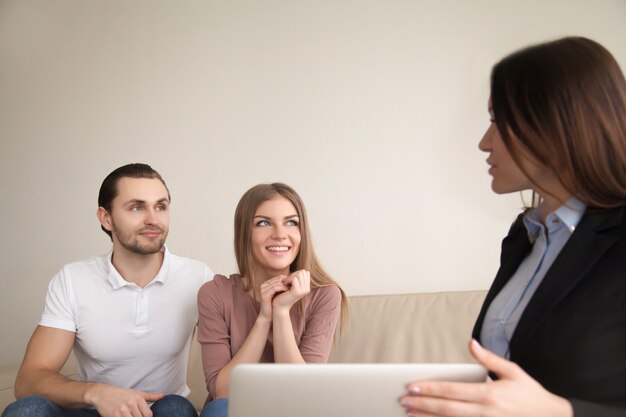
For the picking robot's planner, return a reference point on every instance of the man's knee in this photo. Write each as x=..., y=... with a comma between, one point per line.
x=33, y=406
x=173, y=406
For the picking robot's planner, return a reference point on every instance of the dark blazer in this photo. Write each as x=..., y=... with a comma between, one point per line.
x=572, y=335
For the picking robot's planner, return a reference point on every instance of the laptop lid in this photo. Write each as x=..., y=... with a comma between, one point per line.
x=333, y=390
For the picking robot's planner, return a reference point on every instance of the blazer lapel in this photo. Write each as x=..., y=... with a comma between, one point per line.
x=515, y=247
x=592, y=238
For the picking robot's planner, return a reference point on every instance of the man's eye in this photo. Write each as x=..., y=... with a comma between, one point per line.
x=135, y=208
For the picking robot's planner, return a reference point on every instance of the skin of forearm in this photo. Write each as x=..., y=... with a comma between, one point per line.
x=57, y=388
x=250, y=352
x=285, y=346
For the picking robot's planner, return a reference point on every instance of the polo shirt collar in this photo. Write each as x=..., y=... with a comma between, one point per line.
x=116, y=280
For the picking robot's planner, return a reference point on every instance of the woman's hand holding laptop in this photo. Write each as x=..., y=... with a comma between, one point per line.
x=514, y=394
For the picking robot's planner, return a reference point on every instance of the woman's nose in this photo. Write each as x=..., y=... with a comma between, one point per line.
x=278, y=233
x=485, y=143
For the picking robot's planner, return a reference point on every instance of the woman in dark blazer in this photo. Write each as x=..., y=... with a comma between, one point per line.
x=552, y=330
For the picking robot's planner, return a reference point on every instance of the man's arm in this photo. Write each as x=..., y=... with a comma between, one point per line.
x=46, y=354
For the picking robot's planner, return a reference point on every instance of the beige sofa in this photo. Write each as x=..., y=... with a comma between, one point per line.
x=433, y=327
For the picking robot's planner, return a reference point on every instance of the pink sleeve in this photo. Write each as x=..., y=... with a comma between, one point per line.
x=319, y=330
x=213, y=333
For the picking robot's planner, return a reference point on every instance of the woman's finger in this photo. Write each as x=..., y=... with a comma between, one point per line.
x=430, y=406
x=458, y=391
x=505, y=369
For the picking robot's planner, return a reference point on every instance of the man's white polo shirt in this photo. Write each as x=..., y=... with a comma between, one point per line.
x=127, y=336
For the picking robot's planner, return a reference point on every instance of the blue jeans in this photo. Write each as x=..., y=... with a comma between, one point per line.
x=215, y=408
x=168, y=406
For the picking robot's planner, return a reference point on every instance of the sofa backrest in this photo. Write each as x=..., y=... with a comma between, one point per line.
x=418, y=328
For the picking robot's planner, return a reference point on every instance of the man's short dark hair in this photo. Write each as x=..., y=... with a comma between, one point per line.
x=108, y=189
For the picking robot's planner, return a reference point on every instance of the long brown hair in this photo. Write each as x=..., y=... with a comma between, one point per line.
x=305, y=259
x=564, y=102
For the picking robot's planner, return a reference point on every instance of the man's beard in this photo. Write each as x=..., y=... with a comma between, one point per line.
x=130, y=241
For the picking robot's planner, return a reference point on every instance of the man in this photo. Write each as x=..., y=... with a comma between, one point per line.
x=129, y=316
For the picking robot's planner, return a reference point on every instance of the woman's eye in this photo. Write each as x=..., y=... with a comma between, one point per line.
x=263, y=223
x=292, y=223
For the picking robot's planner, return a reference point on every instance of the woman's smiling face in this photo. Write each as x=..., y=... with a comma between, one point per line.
x=275, y=237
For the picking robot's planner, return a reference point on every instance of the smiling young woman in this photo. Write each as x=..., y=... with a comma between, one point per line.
x=281, y=307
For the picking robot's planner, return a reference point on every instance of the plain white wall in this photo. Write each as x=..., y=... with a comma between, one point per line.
x=371, y=109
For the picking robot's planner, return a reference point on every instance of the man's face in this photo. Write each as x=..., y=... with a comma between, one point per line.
x=139, y=217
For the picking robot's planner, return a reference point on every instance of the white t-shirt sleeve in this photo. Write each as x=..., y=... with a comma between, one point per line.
x=58, y=312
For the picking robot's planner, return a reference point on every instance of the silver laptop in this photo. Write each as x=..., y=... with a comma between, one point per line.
x=333, y=390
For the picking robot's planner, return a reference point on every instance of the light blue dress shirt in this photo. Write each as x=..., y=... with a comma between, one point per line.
x=506, y=309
